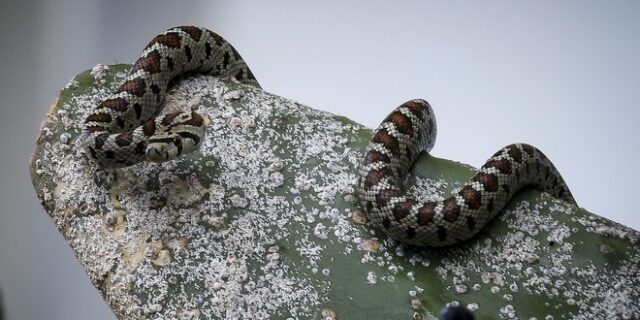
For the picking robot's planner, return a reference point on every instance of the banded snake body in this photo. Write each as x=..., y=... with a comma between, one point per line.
x=122, y=131
x=396, y=144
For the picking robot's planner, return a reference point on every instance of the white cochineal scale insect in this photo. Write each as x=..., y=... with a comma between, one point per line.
x=396, y=144
x=125, y=129
x=122, y=130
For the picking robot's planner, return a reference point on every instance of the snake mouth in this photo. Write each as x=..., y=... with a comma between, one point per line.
x=156, y=155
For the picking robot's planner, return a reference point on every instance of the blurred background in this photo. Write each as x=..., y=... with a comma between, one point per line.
x=564, y=76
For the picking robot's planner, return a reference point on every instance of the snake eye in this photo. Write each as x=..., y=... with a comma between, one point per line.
x=177, y=141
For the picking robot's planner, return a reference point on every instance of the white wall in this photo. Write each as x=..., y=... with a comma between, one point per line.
x=561, y=76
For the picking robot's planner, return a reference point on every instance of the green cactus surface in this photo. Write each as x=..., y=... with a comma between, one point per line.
x=263, y=221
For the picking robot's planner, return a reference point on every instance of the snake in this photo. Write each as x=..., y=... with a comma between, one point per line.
x=128, y=127
x=389, y=156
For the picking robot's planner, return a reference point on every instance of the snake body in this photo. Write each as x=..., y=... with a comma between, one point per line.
x=396, y=144
x=125, y=128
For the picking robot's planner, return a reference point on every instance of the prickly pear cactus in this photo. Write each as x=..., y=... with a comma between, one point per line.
x=263, y=222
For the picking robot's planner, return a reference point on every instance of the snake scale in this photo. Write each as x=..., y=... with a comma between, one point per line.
x=125, y=129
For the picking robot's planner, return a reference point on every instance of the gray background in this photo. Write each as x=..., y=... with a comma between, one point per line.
x=562, y=76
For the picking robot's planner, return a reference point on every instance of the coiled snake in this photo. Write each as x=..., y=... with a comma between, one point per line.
x=123, y=132
x=396, y=144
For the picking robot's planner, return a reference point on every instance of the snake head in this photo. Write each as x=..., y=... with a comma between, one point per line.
x=177, y=133
x=169, y=145
x=164, y=146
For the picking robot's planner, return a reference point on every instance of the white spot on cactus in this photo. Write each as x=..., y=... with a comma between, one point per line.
x=99, y=71
x=238, y=201
x=233, y=95
x=461, y=288
x=276, y=179
x=320, y=231
x=372, y=278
